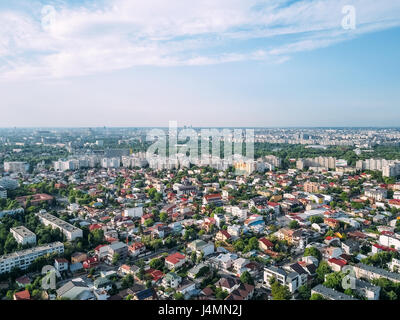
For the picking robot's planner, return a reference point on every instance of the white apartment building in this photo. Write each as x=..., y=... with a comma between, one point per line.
x=234, y=230
x=389, y=241
x=3, y=193
x=70, y=231
x=23, y=235
x=110, y=162
x=377, y=194
x=16, y=166
x=8, y=184
x=23, y=259
x=65, y=165
x=133, y=212
x=389, y=168
x=134, y=160
x=241, y=213
x=273, y=160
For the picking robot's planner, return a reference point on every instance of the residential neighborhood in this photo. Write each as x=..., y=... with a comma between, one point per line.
x=117, y=231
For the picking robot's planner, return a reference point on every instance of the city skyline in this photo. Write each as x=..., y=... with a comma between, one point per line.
x=241, y=64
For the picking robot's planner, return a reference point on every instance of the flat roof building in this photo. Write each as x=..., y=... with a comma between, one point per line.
x=70, y=231
x=23, y=259
x=23, y=235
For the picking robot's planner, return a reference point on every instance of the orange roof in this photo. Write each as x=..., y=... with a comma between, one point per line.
x=22, y=295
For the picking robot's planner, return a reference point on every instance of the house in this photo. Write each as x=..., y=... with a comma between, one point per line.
x=223, y=260
x=186, y=287
x=201, y=247
x=378, y=248
x=78, y=257
x=22, y=295
x=136, y=248
x=126, y=269
x=234, y=230
x=289, y=278
x=175, y=260
x=146, y=294
x=195, y=270
x=90, y=263
x=331, y=252
x=239, y=264
x=131, y=291
x=156, y=275
x=243, y=292
x=214, y=199
x=337, y=264
x=103, y=283
x=350, y=246
x=333, y=223
x=292, y=236
x=101, y=251
x=75, y=267
x=171, y=280
x=23, y=281
x=265, y=244
x=61, y=264
x=228, y=284
x=222, y=235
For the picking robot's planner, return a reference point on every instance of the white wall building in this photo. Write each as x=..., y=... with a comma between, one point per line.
x=23, y=259
x=70, y=231
x=23, y=235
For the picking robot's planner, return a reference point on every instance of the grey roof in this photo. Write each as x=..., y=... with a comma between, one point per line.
x=382, y=272
x=69, y=286
x=276, y=270
x=331, y=294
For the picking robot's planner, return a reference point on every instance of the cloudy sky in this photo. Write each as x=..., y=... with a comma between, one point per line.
x=202, y=63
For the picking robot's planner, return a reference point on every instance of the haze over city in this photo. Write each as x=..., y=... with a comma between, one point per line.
x=215, y=63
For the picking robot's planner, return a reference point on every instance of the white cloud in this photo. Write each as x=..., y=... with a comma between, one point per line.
x=128, y=33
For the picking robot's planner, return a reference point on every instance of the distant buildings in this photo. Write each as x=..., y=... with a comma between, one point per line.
x=389, y=168
x=16, y=167
x=110, y=163
x=3, y=193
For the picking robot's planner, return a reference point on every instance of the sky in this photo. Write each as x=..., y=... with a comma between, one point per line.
x=254, y=63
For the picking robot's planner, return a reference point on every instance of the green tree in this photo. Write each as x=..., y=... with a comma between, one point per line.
x=246, y=278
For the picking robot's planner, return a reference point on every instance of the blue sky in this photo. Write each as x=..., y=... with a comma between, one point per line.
x=208, y=63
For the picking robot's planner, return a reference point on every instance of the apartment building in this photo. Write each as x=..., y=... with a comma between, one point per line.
x=311, y=187
x=16, y=167
x=378, y=194
x=23, y=235
x=3, y=193
x=284, y=277
x=70, y=231
x=110, y=162
x=369, y=272
x=23, y=259
x=330, y=294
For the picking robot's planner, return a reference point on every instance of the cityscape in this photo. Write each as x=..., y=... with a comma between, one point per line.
x=201, y=158
x=113, y=223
